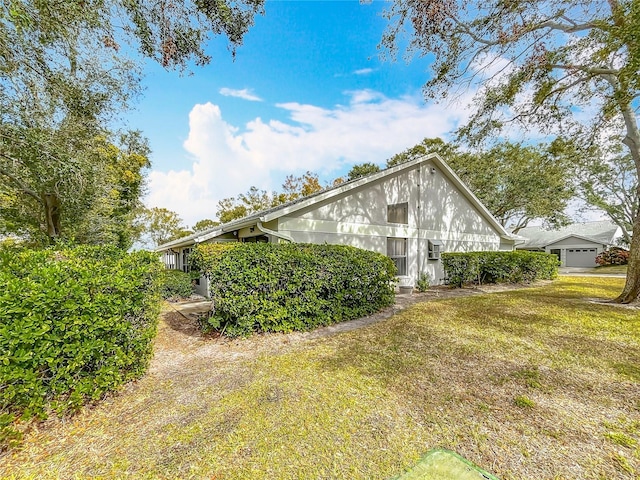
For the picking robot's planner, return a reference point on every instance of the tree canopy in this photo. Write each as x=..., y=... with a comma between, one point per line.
x=160, y=225
x=67, y=72
x=362, y=170
x=204, y=224
x=255, y=200
x=568, y=67
x=608, y=181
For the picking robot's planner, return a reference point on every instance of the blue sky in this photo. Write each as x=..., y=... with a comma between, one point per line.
x=307, y=91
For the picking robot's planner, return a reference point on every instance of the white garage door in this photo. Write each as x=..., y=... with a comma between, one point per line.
x=581, y=257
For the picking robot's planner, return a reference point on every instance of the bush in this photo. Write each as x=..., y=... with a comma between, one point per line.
x=286, y=287
x=205, y=256
x=613, y=256
x=74, y=324
x=499, y=267
x=175, y=284
x=423, y=283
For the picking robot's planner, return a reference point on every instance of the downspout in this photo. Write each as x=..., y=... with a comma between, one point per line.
x=419, y=223
x=283, y=236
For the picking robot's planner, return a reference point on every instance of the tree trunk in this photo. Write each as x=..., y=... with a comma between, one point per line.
x=51, y=204
x=631, y=289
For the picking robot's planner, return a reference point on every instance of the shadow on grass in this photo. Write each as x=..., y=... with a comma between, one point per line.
x=465, y=344
x=182, y=324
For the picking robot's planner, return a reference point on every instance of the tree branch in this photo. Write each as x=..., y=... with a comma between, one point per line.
x=591, y=70
x=573, y=27
x=18, y=182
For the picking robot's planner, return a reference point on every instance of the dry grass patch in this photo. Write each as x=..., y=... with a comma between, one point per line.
x=536, y=383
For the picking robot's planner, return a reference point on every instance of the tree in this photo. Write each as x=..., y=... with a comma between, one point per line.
x=64, y=79
x=160, y=225
x=247, y=203
x=255, y=200
x=362, y=170
x=569, y=67
x=296, y=187
x=611, y=186
x=447, y=151
x=229, y=209
x=57, y=184
x=171, y=32
x=204, y=224
x=516, y=183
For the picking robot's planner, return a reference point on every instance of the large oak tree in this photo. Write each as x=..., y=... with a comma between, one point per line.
x=68, y=71
x=569, y=67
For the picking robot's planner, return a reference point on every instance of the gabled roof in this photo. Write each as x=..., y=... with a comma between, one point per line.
x=603, y=232
x=287, y=208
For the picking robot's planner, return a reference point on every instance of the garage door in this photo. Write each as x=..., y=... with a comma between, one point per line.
x=581, y=257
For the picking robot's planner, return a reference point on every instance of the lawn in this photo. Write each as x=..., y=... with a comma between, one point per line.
x=535, y=383
x=612, y=269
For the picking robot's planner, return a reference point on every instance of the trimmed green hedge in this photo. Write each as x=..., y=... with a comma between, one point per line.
x=284, y=287
x=175, y=284
x=499, y=267
x=205, y=256
x=74, y=324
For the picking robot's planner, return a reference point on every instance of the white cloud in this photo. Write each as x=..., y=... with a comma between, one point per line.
x=245, y=94
x=364, y=71
x=227, y=160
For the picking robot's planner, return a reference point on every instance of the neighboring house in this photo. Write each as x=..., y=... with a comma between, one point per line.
x=411, y=212
x=576, y=245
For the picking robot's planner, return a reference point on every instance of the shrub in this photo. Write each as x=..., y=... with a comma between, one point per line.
x=74, y=324
x=205, y=256
x=499, y=267
x=423, y=283
x=613, y=256
x=286, y=287
x=175, y=284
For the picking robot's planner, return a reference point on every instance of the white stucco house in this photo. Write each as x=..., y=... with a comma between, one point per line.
x=411, y=212
x=576, y=245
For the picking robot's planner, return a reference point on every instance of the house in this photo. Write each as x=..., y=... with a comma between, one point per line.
x=576, y=245
x=411, y=212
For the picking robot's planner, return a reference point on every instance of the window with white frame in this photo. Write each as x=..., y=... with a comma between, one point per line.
x=398, y=213
x=397, y=251
x=171, y=259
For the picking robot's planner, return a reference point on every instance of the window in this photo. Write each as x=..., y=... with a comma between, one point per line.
x=398, y=213
x=185, y=259
x=397, y=251
x=435, y=247
x=171, y=259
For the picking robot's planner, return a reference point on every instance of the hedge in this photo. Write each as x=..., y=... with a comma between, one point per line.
x=74, y=324
x=205, y=256
x=175, y=284
x=285, y=287
x=499, y=267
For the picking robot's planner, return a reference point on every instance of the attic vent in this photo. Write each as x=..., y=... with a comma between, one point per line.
x=435, y=246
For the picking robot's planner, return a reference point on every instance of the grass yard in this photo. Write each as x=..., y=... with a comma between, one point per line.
x=612, y=269
x=538, y=383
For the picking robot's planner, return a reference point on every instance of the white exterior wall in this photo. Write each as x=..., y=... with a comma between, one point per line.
x=437, y=210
